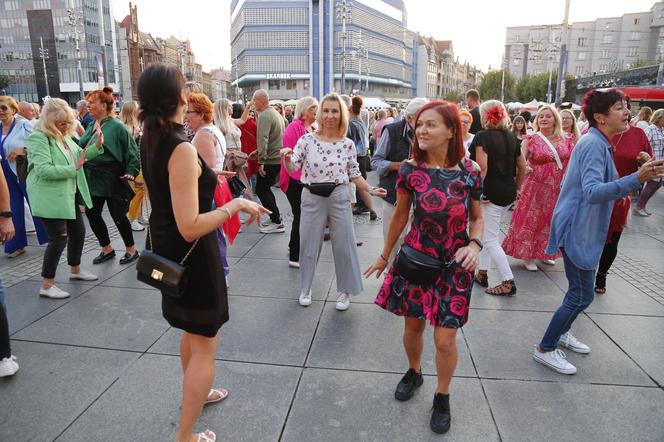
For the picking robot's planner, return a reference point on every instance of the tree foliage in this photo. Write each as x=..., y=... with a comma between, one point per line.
x=489, y=87
x=453, y=97
x=535, y=87
x=4, y=82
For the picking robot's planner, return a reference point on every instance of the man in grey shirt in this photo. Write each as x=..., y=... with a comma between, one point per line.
x=269, y=131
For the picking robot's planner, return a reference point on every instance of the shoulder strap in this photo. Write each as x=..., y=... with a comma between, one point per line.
x=191, y=249
x=553, y=150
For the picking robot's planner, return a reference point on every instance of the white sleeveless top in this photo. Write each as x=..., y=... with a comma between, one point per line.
x=232, y=136
x=219, y=146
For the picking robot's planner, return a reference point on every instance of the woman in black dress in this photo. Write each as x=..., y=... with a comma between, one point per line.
x=181, y=189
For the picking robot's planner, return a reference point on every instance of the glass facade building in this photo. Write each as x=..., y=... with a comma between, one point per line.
x=294, y=48
x=20, y=59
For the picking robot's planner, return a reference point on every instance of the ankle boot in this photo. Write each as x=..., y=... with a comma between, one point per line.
x=440, y=415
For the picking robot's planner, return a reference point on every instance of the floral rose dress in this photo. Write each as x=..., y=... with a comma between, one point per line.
x=441, y=202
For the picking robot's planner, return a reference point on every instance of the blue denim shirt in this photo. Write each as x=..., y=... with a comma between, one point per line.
x=581, y=218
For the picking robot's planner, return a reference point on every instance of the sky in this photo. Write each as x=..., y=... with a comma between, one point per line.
x=476, y=27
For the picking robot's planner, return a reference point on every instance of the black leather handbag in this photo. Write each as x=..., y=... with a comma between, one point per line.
x=162, y=273
x=417, y=267
x=322, y=189
x=236, y=186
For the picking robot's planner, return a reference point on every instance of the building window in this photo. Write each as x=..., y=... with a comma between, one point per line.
x=602, y=68
x=516, y=61
x=581, y=56
x=608, y=38
x=273, y=85
x=632, y=52
x=637, y=21
x=604, y=53
x=635, y=35
x=581, y=42
x=579, y=71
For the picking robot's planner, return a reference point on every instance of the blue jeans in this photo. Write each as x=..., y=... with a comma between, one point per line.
x=579, y=296
x=2, y=295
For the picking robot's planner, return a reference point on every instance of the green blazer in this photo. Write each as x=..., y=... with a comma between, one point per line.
x=53, y=178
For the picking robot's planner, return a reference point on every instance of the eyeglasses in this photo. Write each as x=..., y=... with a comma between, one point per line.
x=465, y=122
x=191, y=112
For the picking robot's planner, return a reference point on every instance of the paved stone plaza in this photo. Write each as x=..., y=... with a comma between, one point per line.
x=103, y=365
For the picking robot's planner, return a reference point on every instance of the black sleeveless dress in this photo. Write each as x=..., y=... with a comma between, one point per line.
x=204, y=307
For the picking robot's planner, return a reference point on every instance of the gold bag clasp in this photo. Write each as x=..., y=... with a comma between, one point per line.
x=156, y=274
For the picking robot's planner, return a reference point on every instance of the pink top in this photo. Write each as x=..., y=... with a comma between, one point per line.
x=292, y=133
x=378, y=129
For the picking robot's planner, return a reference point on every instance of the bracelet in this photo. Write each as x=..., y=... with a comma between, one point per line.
x=372, y=191
x=383, y=258
x=228, y=212
x=478, y=242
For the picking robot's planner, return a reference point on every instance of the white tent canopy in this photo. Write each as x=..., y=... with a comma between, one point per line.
x=515, y=105
x=533, y=105
x=374, y=103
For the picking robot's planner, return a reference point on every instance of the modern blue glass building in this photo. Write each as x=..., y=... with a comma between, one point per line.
x=294, y=48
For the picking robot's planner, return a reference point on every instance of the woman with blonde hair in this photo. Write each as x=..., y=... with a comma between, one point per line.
x=547, y=152
x=568, y=121
x=642, y=119
x=496, y=150
x=235, y=159
x=129, y=117
x=57, y=186
x=329, y=161
x=655, y=134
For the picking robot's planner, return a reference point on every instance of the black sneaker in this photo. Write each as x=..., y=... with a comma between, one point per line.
x=440, y=416
x=410, y=382
x=103, y=257
x=360, y=210
x=373, y=216
x=127, y=258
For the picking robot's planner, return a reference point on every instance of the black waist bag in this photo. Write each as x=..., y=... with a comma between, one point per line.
x=417, y=267
x=322, y=189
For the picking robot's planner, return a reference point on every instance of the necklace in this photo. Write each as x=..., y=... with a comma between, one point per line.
x=614, y=147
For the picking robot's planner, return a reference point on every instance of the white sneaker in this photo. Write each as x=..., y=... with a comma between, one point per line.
x=555, y=360
x=53, y=292
x=83, y=276
x=305, y=299
x=569, y=341
x=343, y=301
x=530, y=266
x=549, y=262
x=8, y=366
x=294, y=264
x=272, y=228
x=136, y=226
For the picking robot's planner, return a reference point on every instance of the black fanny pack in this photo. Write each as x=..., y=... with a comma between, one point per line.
x=417, y=267
x=322, y=189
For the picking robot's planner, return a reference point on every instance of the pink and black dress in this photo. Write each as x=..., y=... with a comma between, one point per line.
x=441, y=203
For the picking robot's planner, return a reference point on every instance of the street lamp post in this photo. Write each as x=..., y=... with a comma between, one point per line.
x=43, y=53
x=343, y=13
x=75, y=22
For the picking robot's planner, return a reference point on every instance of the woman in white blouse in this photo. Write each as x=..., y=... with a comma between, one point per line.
x=329, y=161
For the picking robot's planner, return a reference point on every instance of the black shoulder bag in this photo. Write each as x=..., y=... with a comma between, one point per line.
x=162, y=273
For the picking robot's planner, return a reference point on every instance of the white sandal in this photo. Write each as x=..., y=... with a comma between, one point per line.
x=218, y=394
x=206, y=436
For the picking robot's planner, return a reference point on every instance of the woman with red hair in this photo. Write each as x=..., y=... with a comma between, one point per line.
x=108, y=174
x=432, y=276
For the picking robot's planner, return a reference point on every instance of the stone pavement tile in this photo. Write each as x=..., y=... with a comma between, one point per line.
x=144, y=403
x=104, y=270
x=640, y=337
x=652, y=256
x=262, y=330
x=353, y=406
x=275, y=246
x=621, y=298
x=371, y=230
x=575, y=411
x=244, y=242
x=273, y=278
x=54, y=385
x=25, y=306
x=105, y=317
x=634, y=242
x=501, y=343
x=366, y=337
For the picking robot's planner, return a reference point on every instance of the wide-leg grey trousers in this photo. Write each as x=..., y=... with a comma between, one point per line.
x=315, y=212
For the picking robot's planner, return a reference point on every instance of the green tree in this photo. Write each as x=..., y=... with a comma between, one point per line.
x=453, y=97
x=535, y=87
x=489, y=87
x=4, y=82
x=641, y=63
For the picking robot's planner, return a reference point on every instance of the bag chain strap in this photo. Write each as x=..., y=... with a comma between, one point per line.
x=185, y=256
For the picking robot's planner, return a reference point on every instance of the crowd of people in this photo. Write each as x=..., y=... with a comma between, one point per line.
x=447, y=176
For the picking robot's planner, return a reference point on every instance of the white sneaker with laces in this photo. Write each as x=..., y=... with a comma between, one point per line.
x=53, y=292
x=272, y=228
x=530, y=266
x=8, y=366
x=305, y=299
x=136, y=226
x=569, y=341
x=294, y=264
x=83, y=276
x=343, y=302
x=555, y=360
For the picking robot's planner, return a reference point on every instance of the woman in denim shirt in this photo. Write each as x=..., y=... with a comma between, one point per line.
x=581, y=218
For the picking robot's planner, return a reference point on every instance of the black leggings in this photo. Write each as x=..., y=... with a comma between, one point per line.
x=294, y=195
x=118, y=209
x=5, y=349
x=609, y=253
x=63, y=233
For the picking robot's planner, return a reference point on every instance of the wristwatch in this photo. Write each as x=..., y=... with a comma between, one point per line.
x=6, y=214
x=478, y=242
